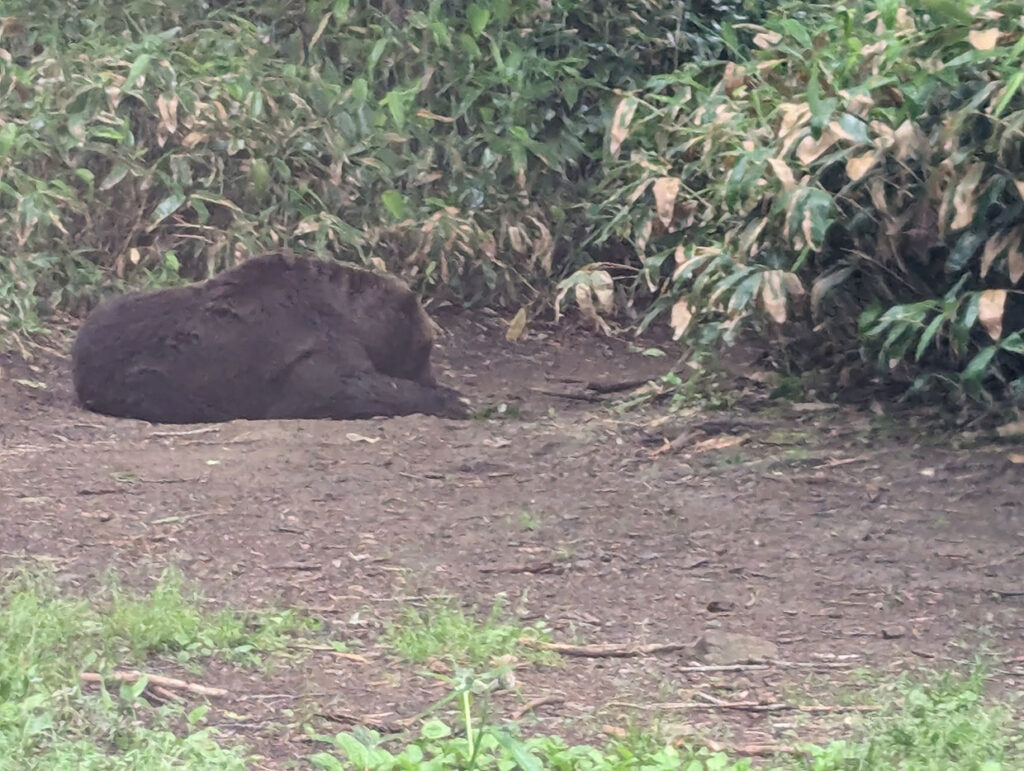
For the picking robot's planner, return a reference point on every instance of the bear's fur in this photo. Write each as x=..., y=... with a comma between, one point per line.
x=278, y=336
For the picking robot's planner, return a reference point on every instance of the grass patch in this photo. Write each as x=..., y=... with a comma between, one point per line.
x=442, y=630
x=942, y=723
x=49, y=638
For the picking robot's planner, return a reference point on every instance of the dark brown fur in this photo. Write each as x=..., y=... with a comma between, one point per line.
x=276, y=337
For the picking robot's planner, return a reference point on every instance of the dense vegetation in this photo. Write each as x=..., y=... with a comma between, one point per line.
x=848, y=179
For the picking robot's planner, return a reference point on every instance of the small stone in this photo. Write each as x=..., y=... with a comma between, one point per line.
x=726, y=648
x=893, y=632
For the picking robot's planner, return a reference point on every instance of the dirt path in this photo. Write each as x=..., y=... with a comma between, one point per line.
x=820, y=534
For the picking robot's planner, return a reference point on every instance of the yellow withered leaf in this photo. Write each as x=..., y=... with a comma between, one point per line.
x=984, y=39
x=783, y=172
x=665, y=191
x=859, y=165
x=965, y=197
x=517, y=326
x=990, y=311
x=682, y=314
x=620, y=123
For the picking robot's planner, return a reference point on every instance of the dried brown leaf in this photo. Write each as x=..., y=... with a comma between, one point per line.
x=1015, y=256
x=990, y=311
x=767, y=39
x=783, y=172
x=682, y=314
x=810, y=149
x=665, y=191
x=984, y=39
x=993, y=248
x=773, y=295
x=965, y=197
x=517, y=326
x=858, y=165
x=624, y=112
x=1009, y=430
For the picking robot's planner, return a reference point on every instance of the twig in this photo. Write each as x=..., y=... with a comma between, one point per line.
x=370, y=721
x=751, y=749
x=536, y=567
x=749, y=706
x=334, y=652
x=190, y=432
x=769, y=665
x=579, y=397
x=540, y=701
x=606, y=650
x=171, y=683
x=614, y=387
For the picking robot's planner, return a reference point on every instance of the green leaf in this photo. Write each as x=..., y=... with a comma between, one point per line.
x=978, y=366
x=964, y=251
x=323, y=760
x=519, y=751
x=1012, y=86
x=433, y=730
x=478, y=18
x=1013, y=343
x=136, y=71
x=394, y=202
x=888, y=9
x=116, y=174
x=167, y=207
x=927, y=335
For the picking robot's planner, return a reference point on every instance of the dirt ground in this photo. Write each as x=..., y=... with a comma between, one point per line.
x=847, y=540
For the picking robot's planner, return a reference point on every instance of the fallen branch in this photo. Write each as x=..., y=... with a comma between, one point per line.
x=578, y=397
x=540, y=701
x=749, y=706
x=374, y=722
x=606, y=650
x=749, y=749
x=536, y=567
x=170, y=683
x=765, y=666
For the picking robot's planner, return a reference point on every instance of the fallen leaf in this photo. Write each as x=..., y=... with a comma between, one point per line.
x=984, y=39
x=810, y=149
x=361, y=438
x=1016, y=457
x=990, y=311
x=1007, y=430
x=859, y=165
x=718, y=443
x=624, y=112
x=773, y=295
x=665, y=191
x=965, y=197
x=517, y=326
x=783, y=172
x=682, y=314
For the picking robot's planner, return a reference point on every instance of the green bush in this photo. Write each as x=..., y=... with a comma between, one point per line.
x=858, y=179
x=453, y=142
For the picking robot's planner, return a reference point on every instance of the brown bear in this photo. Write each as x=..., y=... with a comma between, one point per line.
x=278, y=336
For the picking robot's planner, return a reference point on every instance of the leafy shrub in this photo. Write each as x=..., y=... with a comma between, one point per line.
x=454, y=142
x=860, y=172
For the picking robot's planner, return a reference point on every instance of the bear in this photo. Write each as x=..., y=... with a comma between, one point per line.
x=279, y=336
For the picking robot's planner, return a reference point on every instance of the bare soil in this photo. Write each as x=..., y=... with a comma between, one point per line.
x=851, y=541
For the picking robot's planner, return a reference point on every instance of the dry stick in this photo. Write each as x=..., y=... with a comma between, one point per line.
x=769, y=665
x=608, y=650
x=551, y=698
x=752, y=749
x=578, y=397
x=749, y=706
x=171, y=683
